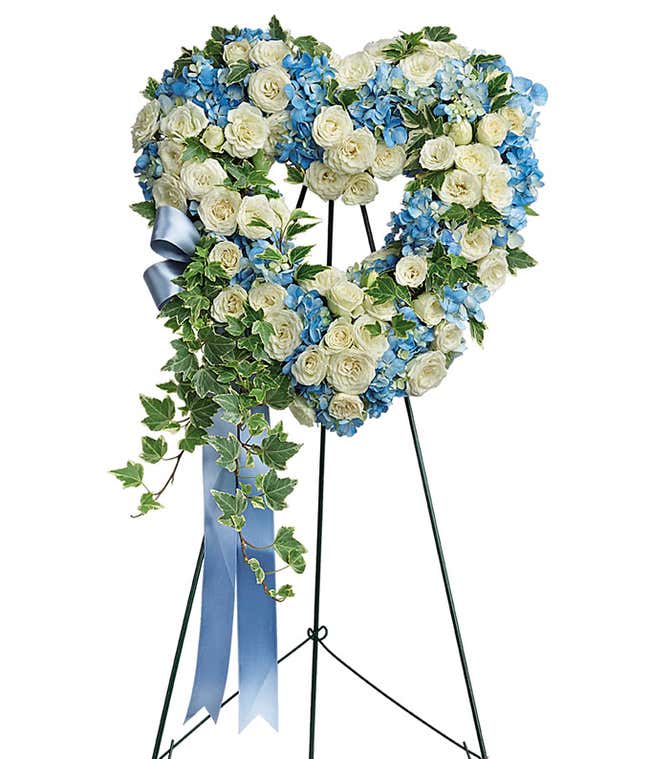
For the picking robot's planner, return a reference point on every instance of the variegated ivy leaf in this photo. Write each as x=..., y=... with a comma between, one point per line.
x=259, y=573
x=228, y=448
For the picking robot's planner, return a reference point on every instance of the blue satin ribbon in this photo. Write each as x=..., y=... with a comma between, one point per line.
x=225, y=573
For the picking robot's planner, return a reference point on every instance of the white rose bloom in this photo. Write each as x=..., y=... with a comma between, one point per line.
x=269, y=52
x=420, y=68
x=146, y=124
x=246, y=131
x=310, y=368
x=229, y=302
x=168, y=191
x=427, y=307
x=288, y=326
x=493, y=270
x=228, y=255
x=254, y=207
x=476, y=158
x=441, y=49
x=213, y=138
x=325, y=280
x=278, y=124
x=266, y=88
x=388, y=162
x=345, y=406
x=425, y=371
x=492, y=129
x=266, y=296
x=360, y=189
x=448, y=337
x=218, y=210
x=438, y=154
x=303, y=412
x=339, y=335
x=514, y=117
x=460, y=51
x=460, y=132
x=351, y=371
x=345, y=298
x=477, y=243
x=354, y=70
x=373, y=345
x=170, y=153
x=199, y=177
x=332, y=125
x=183, y=121
x=356, y=153
x=461, y=187
x=496, y=189
x=376, y=49
x=382, y=311
x=411, y=271
x=325, y=182
x=237, y=51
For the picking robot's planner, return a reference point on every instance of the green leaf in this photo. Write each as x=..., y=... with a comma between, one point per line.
x=228, y=448
x=477, y=60
x=232, y=508
x=530, y=211
x=501, y=100
x=455, y=212
x=374, y=329
x=284, y=592
x=153, y=449
x=477, y=330
x=131, y=475
x=160, y=412
x=276, y=450
x=257, y=424
x=145, y=208
x=497, y=84
x=401, y=325
x=150, y=90
x=308, y=271
x=195, y=150
x=280, y=394
x=238, y=72
x=487, y=213
x=519, y=259
x=276, y=489
x=230, y=408
x=295, y=174
x=439, y=33
x=205, y=383
x=289, y=549
x=311, y=45
x=275, y=29
x=257, y=570
x=148, y=502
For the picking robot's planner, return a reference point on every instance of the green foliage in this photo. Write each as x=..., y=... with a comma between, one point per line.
x=295, y=174
x=195, y=150
x=160, y=413
x=275, y=490
x=239, y=70
x=477, y=330
x=232, y=508
x=153, y=449
x=149, y=502
x=403, y=46
x=131, y=475
x=145, y=208
x=275, y=29
x=401, y=325
x=439, y=33
x=289, y=549
x=257, y=570
x=228, y=448
x=150, y=90
x=384, y=289
x=275, y=450
x=519, y=259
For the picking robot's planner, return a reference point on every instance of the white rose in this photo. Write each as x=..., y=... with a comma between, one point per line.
x=228, y=255
x=183, y=121
x=332, y=125
x=278, y=124
x=246, y=131
x=287, y=327
x=146, y=124
x=269, y=52
x=339, y=335
x=361, y=189
x=477, y=243
x=213, y=138
x=356, y=153
x=427, y=307
x=425, y=371
x=274, y=212
x=493, y=270
x=218, y=210
x=350, y=371
x=168, y=191
x=496, y=189
x=476, y=158
x=514, y=117
x=420, y=68
x=373, y=345
x=303, y=412
x=354, y=70
x=441, y=49
x=388, y=162
x=236, y=51
x=229, y=302
x=325, y=182
x=345, y=406
x=170, y=153
x=266, y=88
x=325, y=280
x=345, y=298
x=376, y=49
x=411, y=271
x=437, y=154
x=492, y=129
x=266, y=296
x=310, y=368
x=460, y=187
x=448, y=337
x=382, y=311
x=199, y=177
x=460, y=51
x=460, y=132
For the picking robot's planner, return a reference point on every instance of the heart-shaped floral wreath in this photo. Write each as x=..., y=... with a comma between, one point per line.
x=254, y=322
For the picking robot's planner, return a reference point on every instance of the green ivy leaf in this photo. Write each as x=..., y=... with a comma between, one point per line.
x=275, y=450
x=153, y=449
x=238, y=72
x=195, y=150
x=289, y=549
x=519, y=259
x=232, y=508
x=275, y=29
x=439, y=33
x=228, y=448
x=230, y=408
x=284, y=592
x=295, y=174
x=477, y=330
x=131, y=475
x=276, y=489
x=455, y=212
x=145, y=208
x=486, y=212
x=205, y=383
x=148, y=502
x=257, y=424
x=257, y=570
x=374, y=329
x=160, y=413
x=401, y=325
x=308, y=271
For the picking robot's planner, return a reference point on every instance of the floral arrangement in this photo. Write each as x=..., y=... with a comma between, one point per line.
x=254, y=322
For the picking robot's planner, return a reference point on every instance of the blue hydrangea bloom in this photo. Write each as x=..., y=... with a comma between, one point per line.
x=377, y=104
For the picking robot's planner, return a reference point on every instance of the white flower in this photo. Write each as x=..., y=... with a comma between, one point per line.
x=388, y=162
x=477, y=243
x=460, y=132
x=168, y=191
x=420, y=68
x=441, y=49
x=376, y=49
x=460, y=51
x=476, y=158
x=246, y=131
x=461, y=187
x=273, y=212
x=183, y=121
x=237, y=51
x=373, y=345
x=437, y=154
x=339, y=335
x=269, y=52
x=448, y=337
x=514, y=117
x=146, y=124
x=425, y=371
x=350, y=371
x=492, y=129
x=332, y=125
x=228, y=255
x=345, y=406
x=287, y=327
x=496, y=189
x=170, y=153
x=356, y=153
x=493, y=270
x=199, y=177
x=325, y=280
x=278, y=124
x=325, y=182
x=303, y=412
x=361, y=189
x=345, y=298
x=427, y=307
x=213, y=138
x=310, y=368
x=229, y=302
x=411, y=271
x=266, y=88
x=354, y=70
x=266, y=296
x=382, y=311
x=218, y=210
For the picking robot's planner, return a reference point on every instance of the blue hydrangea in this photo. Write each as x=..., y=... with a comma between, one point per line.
x=376, y=106
x=147, y=168
x=315, y=314
x=518, y=153
x=415, y=226
x=462, y=91
x=460, y=303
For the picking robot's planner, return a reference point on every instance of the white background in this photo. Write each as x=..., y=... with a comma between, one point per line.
x=536, y=446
